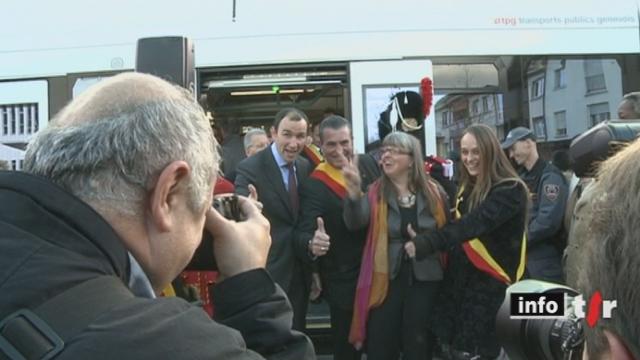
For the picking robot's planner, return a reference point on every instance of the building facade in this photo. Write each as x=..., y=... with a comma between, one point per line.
x=23, y=111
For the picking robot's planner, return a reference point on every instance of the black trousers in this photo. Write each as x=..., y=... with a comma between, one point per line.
x=402, y=323
x=340, y=326
x=298, y=295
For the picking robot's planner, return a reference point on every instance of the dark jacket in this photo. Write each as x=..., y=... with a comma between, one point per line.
x=262, y=171
x=470, y=298
x=549, y=192
x=232, y=154
x=339, y=268
x=498, y=222
x=356, y=216
x=51, y=241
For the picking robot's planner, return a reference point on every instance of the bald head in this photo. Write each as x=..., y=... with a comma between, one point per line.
x=109, y=144
x=118, y=95
x=629, y=107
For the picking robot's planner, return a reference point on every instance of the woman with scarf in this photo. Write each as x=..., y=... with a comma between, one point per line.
x=397, y=286
x=486, y=246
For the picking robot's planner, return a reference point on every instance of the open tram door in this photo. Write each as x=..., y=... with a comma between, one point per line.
x=371, y=85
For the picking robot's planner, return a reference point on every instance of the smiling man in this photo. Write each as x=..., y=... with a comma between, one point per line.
x=324, y=237
x=548, y=191
x=276, y=172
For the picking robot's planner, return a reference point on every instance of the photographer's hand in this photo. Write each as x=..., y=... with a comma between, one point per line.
x=239, y=246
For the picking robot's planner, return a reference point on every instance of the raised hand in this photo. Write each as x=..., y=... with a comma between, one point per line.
x=352, y=177
x=253, y=195
x=410, y=246
x=319, y=244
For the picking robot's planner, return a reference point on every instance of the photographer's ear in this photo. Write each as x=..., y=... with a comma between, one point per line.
x=169, y=190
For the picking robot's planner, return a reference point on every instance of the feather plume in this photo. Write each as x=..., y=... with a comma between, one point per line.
x=426, y=91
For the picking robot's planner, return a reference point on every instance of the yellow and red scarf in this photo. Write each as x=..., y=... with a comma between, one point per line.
x=480, y=257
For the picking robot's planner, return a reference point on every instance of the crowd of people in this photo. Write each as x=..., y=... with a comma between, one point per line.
x=117, y=190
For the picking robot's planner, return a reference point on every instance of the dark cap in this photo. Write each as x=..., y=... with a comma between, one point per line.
x=517, y=134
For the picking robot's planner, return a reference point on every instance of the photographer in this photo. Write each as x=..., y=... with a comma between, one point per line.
x=611, y=261
x=120, y=187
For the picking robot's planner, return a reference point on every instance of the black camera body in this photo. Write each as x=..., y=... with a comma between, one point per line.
x=539, y=338
x=204, y=258
x=228, y=207
x=599, y=143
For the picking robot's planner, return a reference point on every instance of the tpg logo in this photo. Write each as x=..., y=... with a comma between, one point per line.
x=560, y=305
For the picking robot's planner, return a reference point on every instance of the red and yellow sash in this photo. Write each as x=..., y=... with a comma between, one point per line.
x=313, y=153
x=480, y=257
x=331, y=177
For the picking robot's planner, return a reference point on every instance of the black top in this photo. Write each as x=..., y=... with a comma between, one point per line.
x=408, y=215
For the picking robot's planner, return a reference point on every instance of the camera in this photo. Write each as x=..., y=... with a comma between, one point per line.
x=204, y=259
x=228, y=207
x=600, y=142
x=537, y=321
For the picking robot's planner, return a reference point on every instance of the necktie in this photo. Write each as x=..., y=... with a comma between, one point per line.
x=293, y=188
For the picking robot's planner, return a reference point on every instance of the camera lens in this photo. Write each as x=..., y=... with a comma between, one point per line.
x=540, y=338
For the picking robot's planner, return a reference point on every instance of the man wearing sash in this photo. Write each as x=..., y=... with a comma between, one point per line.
x=323, y=236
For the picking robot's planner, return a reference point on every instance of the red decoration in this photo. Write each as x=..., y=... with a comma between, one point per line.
x=426, y=91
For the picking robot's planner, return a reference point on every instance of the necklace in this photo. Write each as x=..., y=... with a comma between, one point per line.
x=407, y=200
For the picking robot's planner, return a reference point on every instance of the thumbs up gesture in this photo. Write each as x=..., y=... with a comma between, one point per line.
x=319, y=244
x=410, y=246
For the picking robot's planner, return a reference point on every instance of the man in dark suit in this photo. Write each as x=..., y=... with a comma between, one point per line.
x=276, y=173
x=322, y=234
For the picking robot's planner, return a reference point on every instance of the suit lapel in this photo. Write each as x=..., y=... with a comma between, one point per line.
x=393, y=204
x=274, y=176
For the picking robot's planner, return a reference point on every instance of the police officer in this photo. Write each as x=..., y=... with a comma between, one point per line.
x=548, y=191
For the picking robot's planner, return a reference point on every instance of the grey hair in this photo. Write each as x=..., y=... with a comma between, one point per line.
x=418, y=178
x=611, y=262
x=109, y=145
x=333, y=122
x=634, y=99
x=250, y=134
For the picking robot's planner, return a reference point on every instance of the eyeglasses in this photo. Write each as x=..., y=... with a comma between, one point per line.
x=393, y=151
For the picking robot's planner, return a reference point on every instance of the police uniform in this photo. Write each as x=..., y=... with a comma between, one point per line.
x=548, y=192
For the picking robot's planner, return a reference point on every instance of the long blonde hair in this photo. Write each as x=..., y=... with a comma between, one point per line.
x=418, y=179
x=495, y=167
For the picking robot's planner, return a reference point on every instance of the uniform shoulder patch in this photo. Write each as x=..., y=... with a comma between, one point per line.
x=551, y=191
